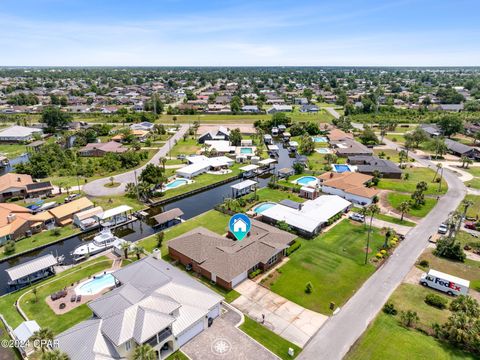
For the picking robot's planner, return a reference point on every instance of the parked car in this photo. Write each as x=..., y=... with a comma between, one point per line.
x=442, y=229
x=356, y=217
x=470, y=225
x=71, y=197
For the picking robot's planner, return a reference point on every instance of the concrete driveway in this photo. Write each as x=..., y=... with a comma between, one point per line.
x=223, y=340
x=287, y=319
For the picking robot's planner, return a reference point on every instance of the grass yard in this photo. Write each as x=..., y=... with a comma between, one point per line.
x=389, y=154
x=43, y=238
x=12, y=151
x=397, y=138
x=469, y=270
x=475, y=182
x=474, y=209
x=40, y=311
x=335, y=257
x=269, y=339
x=387, y=339
x=187, y=147
x=276, y=195
x=396, y=199
x=7, y=353
x=415, y=176
x=109, y=202
x=394, y=220
x=178, y=355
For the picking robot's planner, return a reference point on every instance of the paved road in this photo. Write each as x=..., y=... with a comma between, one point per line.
x=341, y=331
x=97, y=187
x=332, y=112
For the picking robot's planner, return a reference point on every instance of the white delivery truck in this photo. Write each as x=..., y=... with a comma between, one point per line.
x=449, y=284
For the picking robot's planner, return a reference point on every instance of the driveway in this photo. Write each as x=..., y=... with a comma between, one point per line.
x=97, y=187
x=224, y=341
x=287, y=319
x=341, y=331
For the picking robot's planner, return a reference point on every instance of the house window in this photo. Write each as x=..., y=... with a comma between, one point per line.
x=128, y=345
x=273, y=259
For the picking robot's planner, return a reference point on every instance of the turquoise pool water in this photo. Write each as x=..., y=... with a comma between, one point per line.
x=305, y=180
x=246, y=150
x=341, y=168
x=94, y=286
x=176, y=183
x=262, y=207
x=323, y=150
x=320, y=139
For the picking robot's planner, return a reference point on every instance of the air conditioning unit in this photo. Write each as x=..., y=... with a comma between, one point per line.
x=157, y=254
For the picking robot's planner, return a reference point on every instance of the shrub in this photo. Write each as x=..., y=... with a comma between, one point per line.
x=379, y=255
x=383, y=252
x=436, y=301
x=450, y=249
x=309, y=288
x=424, y=263
x=295, y=246
x=253, y=274
x=9, y=247
x=409, y=318
x=55, y=232
x=389, y=309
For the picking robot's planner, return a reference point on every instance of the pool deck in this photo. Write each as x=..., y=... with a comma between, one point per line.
x=55, y=305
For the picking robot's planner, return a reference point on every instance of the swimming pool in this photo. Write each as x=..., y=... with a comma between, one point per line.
x=246, y=150
x=319, y=139
x=176, y=183
x=306, y=180
x=323, y=150
x=95, y=285
x=340, y=168
x=262, y=207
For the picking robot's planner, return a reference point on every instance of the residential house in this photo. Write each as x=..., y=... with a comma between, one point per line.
x=201, y=164
x=459, y=149
x=154, y=303
x=370, y=164
x=221, y=133
x=431, y=129
x=349, y=185
x=251, y=109
x=228, y=262
x=279, y=108
x=145, y=126
x=307, y=218
x=101, y=149
x=63, y=214
x=15, y=134
x=22, y=186
x=338, y=135
x=350, y=147
x=309, y=109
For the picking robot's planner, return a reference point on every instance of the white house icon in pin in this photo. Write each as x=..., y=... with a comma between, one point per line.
x=239, y=226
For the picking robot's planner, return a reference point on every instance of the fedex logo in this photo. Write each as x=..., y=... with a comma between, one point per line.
x=447, y=284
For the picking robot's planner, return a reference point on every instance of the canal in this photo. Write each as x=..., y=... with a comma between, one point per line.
x=191, y=206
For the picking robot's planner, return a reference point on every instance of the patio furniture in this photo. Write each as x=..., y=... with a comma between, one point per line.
x=79, y=298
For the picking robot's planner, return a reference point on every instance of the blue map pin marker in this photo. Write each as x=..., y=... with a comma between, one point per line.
x=239, y=226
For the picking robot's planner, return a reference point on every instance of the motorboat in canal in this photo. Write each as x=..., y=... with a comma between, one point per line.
x=104, y=240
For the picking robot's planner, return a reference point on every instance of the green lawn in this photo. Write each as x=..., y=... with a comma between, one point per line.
x=333, y=262
x=12, y=150
x=386, y=339
x=474, y=209
x=269, y=339
x=6, y=352
x=396, y=199
x=39, y=310
x=389, y=154
x=394, y=220
x=43, y=238
x=415, y=176
x=276, y=195
x=109, y=202
x=397, y=138
x=178, y=355
x=475, y=182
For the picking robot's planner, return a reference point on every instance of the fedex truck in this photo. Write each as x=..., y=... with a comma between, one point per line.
x=449, y=284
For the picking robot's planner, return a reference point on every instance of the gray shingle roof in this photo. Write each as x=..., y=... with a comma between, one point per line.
x=457, y=147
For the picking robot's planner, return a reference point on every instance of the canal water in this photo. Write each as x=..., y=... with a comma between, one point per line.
x=191, y=206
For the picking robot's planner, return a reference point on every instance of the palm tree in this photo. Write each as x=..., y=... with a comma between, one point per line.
x=388, y=233
x=55, y=354
x=61, y=184
x=402, y=156
x=144, y=352
x=466, y=204
x=34, y=292
x=464, y=160
x=439, y=166
x=42, y=338
x=163, y=160
x=138, y=250
x=112, y=179
x=404, y=207
x=372, y=210
x=125, y=247
x=364, y=211
x=468, y=162
x=67, y=188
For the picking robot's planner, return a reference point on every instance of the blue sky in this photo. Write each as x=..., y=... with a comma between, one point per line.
x=241, y=32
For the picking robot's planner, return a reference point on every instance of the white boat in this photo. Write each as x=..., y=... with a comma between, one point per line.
x=102, y=241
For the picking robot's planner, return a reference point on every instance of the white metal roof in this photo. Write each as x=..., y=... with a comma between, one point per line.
x=273, y=147
x=449, y=277
x=115, y=211
x=243, y=185
x=31, y=267
x=249, y=168
x=267, y=161
x=25, y=330
x=19, y=131
x=312, y=213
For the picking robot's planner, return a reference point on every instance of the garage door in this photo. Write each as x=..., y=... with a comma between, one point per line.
x=190, y=333
x=214, y=312
x=239, y=279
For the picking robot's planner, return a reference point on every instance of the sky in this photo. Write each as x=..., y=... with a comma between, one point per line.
x=239, y=33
